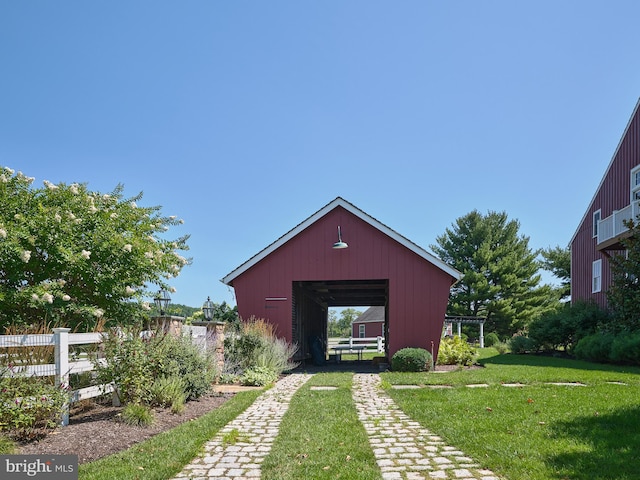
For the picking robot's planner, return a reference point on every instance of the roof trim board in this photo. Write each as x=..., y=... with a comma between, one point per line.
x=340, y=202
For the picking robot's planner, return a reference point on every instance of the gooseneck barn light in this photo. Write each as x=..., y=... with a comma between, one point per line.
x=339, y=244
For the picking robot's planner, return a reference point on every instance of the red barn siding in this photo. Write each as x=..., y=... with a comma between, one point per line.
x=612, y=194
x=418, y=289
x=371, y=329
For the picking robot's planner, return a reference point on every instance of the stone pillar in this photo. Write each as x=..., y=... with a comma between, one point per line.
x=215, y=341
x=170, y=324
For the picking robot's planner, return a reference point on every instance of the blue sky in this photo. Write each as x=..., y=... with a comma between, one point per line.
x=244, y=118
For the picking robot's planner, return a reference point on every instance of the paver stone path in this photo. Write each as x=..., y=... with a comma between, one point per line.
x=254, y=430
x=403, y=448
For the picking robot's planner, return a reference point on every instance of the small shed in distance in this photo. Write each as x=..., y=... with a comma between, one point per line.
x=342, y=257
x=369, y=324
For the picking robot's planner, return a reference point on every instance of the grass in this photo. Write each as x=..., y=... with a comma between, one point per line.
x=538, y=431
x=164, y=455
x=321, y=436
x=535, y=432
x=7, y=446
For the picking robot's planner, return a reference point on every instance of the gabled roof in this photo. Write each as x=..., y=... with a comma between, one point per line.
x=370, y=315
x=341, y=202
x=613, y=157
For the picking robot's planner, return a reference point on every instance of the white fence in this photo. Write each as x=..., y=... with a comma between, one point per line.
x=60, y=339
x=62, y=367
x=369, y=343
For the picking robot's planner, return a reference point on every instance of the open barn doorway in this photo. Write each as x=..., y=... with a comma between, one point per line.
x=312, y=301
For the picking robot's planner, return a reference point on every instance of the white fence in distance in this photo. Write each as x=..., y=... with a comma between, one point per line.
x=369, y=343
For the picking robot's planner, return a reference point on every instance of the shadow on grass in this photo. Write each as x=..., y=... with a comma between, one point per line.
x=539, y=360
x=615, y=439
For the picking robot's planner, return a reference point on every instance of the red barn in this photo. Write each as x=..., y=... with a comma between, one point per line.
x=598, y=235
x=369, y=324
x=341, y=257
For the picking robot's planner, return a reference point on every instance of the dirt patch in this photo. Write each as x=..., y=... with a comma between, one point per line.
x=95, y=431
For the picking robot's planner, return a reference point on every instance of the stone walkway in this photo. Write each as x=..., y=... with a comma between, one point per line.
x=253, y=432
x=403, y=448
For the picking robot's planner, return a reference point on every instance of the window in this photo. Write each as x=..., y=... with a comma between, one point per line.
x=361, y=330
x=596, y=218
x=635, y=184
x=596, y=277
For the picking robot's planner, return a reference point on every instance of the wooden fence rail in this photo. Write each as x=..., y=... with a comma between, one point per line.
x=62, y=367
x=369, y=343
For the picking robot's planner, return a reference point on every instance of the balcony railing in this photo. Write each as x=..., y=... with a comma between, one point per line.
x=613, y=226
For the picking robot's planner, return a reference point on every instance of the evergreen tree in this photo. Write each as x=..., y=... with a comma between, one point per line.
x=500, y=272
x=557, y=260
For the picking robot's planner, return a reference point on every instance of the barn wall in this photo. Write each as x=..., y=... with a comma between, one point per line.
x=371, y=329
x=418, y=290
x=613, y=194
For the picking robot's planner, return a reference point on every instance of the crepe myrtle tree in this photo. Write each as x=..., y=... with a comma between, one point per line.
x=71, y=257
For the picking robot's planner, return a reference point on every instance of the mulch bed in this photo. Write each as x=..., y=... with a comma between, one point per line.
x=95, y=431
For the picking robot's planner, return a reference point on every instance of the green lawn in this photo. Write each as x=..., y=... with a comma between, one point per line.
x=321, y=436
x=537, y=431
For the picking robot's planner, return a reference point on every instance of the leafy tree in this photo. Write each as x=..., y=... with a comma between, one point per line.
x=341, y=327
x=624, y=293
x=500, y=272
x=557, y=260
x=69, y=256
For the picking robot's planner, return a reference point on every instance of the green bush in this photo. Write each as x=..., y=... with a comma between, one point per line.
x=411, y=360
x=595, y=348
x=169, y=392
x=566, y=326
x=455, y=351
x=254, y=351
x=30, y=407
x=134, y=363
x=258, y=376
x=137, y=414
x=522, y=344
x=177, y=357
x=491, y=339
x=626, y=349
x=502, y=347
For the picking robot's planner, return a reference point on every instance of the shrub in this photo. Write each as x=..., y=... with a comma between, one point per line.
x=411, y=360
x=177, y=357
x=258, y=376
x=522, y=344
x=455, y=351
x=566, y=326
x=491, y=339
x=502, y=347
x=134, y=363
x=254, y=351
x=137, y=414
x=626, y=349
x=30, y=407
x=595, y=348
x=127, y=366
x=169, y=392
